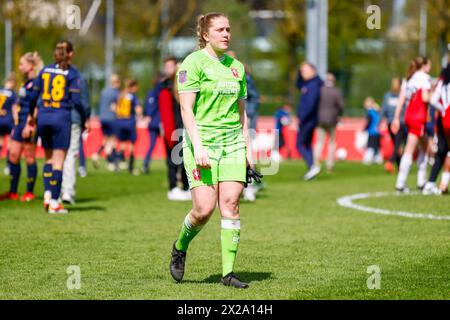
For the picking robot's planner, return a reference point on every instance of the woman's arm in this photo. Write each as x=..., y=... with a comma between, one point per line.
x=139, y=111
x=395, y=127
x=426, y=96
x=244, y=122
x=435, y=98
x=187, y=101
x=15, y=113
x=30, y=126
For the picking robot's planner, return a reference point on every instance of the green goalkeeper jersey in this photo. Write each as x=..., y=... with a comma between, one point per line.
x=219, y=85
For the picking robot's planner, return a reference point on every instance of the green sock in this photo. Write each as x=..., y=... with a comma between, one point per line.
x=231, y=230
x=187, y=233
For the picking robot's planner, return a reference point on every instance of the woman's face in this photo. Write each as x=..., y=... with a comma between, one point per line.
x=427, y=67
x=25, y=66
x=219, y=34
x=307, y=72
x=368, y=103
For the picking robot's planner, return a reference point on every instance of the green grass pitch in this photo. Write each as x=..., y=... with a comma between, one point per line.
x=296, y=242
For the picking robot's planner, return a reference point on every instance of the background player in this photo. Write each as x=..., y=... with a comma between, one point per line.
x=388, y=108
x=417, y=96
x=127, y=109
x=441, y=100
x=108, y=98
x=68, y=189
x=153, y=119
x=29, y=66
x=58, y=88
x=8, y=99
x=372, y=153
x=172, y=124
x=310, y=84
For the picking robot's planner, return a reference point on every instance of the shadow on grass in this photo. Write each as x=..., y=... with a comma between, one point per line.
x=244, y=276
x=89, y=208
x=86, y=200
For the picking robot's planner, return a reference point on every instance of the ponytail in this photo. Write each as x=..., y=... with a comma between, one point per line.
x=415, y=65
x=35, y=59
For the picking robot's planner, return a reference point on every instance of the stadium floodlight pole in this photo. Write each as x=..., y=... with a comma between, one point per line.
x=317, y=35
x=165, y=16
x=311, y=31
x=446, y=56
x=323, y=38
x=423, y=27
x=8, y=39
x=109, y=54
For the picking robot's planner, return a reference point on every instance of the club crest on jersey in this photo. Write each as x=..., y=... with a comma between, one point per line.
x=196, y=174
x=235, y=72
x=182, y=76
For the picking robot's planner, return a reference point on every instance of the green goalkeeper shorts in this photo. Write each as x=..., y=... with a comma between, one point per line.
x=228, y=163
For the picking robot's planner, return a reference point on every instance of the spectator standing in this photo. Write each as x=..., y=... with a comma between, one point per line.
x=68, y=189
x=373, y=122
x=310, y=85
x=331, y=107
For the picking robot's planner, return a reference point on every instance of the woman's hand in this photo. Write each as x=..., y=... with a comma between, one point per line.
x=201, y=157
x=395, y=126
x=28, y=131
x=252, y=175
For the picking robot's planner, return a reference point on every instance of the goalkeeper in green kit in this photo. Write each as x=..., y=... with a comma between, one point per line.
x=216, y=155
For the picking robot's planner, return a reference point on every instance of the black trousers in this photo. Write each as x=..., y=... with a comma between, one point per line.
x=398, y=140
x=173, y=169
x=441, y=154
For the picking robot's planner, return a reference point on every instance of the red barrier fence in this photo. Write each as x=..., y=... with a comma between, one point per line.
x=346, y=139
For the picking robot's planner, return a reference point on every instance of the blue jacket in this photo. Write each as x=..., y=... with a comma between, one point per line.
x=108, y=96
x=308, y=106
x=252, y=98
x=389, y=106
x=281, y=116
x=85, y=101
x=373, y=122
x=151, y=107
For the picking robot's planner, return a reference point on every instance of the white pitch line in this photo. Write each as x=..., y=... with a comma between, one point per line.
x=347, y=202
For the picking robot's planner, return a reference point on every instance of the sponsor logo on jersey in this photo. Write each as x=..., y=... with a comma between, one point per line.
x=196, y=174
x=22, y=92
x=235, y=72
x=182, y=76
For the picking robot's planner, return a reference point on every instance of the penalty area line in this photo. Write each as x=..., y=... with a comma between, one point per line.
x=348, y=202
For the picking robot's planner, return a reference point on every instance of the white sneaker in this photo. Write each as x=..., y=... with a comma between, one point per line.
x=187, y=195
x=176, y=194
x=111, y=167
x=95, y=157
x=379, y=159
x=82, y=172
x=57, y=208
x=368, y=157
x=123, y=165
x=312, y=173
x=67, y=198
x=404, y=190
x=430, y=189
x=249, y=195
x=6, y=171
x=47, y=198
